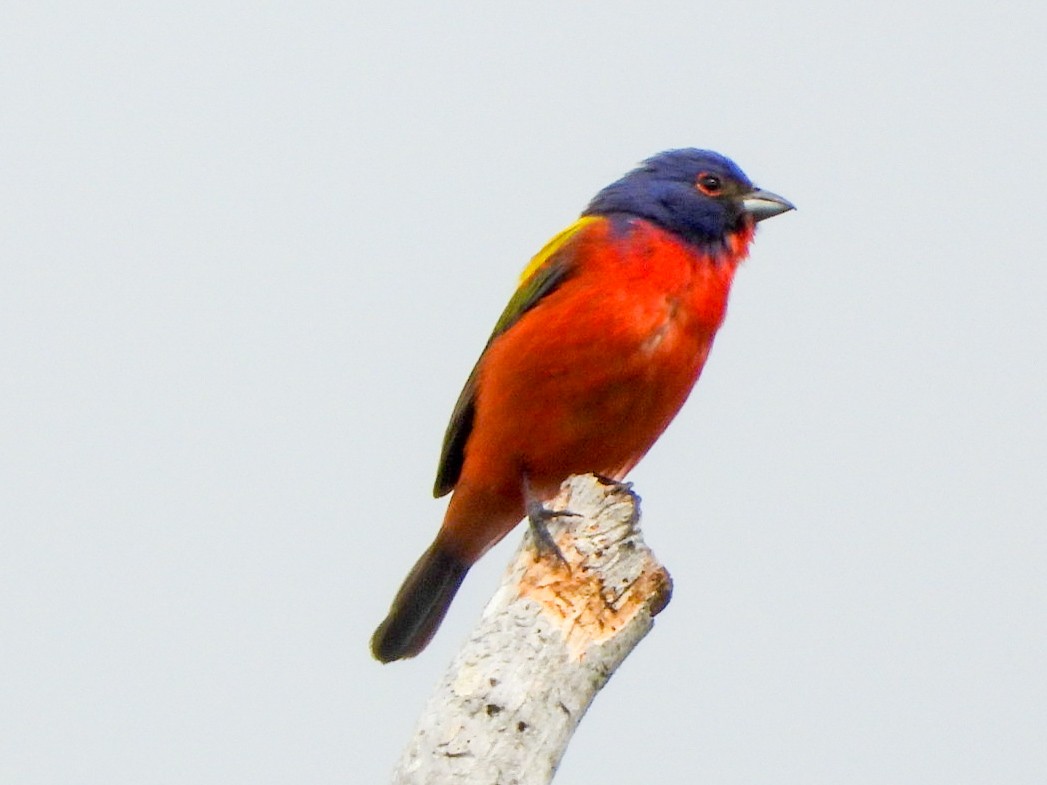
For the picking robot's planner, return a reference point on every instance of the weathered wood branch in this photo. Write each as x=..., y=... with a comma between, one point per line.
x=549, y=639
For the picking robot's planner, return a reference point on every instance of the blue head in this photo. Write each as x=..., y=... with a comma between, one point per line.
x=698, y=194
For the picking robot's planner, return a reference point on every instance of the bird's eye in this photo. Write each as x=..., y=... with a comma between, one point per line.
x=710, y=184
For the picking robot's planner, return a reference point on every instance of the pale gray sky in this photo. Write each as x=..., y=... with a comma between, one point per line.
x=251, y=251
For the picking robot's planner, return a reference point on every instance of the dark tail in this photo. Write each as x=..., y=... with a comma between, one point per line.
x=419, y=606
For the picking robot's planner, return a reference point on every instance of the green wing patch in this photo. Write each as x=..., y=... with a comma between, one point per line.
x=546, y=271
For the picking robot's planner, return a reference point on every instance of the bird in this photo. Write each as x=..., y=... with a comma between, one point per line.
x=595, y=353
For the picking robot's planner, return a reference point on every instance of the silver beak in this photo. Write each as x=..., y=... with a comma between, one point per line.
x=762, y=204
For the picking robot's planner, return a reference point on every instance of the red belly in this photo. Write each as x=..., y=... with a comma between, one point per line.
x=586, y=381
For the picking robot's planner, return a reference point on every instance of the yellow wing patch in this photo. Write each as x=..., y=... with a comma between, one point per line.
x=554, y=245
x=537, y=280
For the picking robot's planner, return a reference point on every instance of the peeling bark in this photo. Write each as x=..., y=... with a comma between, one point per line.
x=549, y=639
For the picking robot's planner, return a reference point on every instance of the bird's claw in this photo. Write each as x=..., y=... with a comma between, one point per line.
x=621, y=485
x=538, y=518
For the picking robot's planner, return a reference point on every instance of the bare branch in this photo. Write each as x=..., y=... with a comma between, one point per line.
x=547, y=642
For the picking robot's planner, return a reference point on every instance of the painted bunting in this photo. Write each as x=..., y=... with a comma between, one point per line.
x=592, y=358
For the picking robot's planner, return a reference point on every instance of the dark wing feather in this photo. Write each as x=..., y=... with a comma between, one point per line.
x=546, y=271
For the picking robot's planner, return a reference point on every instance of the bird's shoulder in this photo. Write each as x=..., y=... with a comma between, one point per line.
x=546, y=271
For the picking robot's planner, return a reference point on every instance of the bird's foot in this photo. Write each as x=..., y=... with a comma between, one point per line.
x=620, y=485
x=538, y=518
